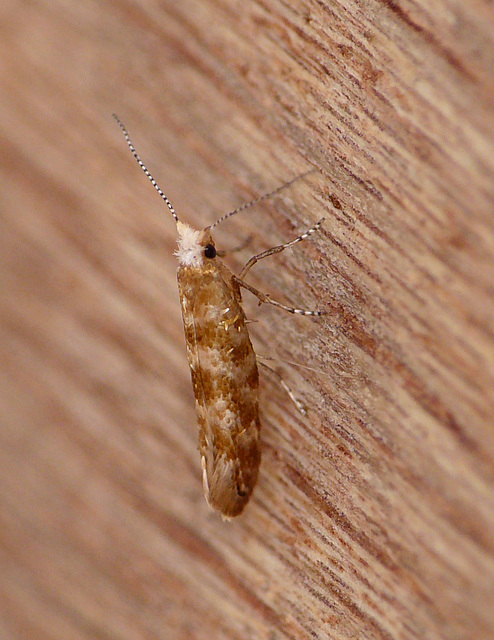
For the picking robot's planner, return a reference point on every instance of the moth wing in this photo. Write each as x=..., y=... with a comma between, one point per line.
x=225, y=381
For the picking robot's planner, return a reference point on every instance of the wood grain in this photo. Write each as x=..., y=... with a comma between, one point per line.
x=373, y=517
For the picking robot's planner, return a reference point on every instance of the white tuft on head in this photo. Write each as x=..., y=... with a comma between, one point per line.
x=189, y=252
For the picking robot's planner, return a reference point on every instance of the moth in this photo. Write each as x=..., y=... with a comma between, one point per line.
x=222, y=361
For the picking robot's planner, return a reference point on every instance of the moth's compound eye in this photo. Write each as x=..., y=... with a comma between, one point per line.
x=210, y=251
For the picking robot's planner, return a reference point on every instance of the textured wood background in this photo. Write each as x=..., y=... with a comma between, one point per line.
x=373, y=517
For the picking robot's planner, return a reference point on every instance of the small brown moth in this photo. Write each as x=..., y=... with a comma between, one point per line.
x=222, y=361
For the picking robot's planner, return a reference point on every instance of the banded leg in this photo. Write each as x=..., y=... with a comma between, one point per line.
x=264, y=297
x=224, y=252
x=290, y=393
x=279, y=248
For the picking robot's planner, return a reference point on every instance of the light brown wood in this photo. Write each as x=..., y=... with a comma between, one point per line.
x=374, y=517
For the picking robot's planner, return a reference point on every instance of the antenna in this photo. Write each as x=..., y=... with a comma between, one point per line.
x=143, y=167
x=264, y=197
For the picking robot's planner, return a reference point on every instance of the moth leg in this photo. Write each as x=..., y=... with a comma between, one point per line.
x=222, y=253
x=279, y=248
x=290, y=393
x=264, y=297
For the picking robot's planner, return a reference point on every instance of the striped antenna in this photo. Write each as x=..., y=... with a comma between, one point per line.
x=143, y=166
x=264, y=197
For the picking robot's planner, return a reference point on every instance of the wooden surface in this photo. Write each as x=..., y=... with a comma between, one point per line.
x=374, y=516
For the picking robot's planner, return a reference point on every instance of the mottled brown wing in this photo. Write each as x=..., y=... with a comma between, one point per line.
x=226, y=385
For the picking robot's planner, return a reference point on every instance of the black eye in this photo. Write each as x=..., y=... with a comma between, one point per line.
x=210, y=251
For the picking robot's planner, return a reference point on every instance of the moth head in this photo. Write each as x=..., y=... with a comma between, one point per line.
x=195, y=248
